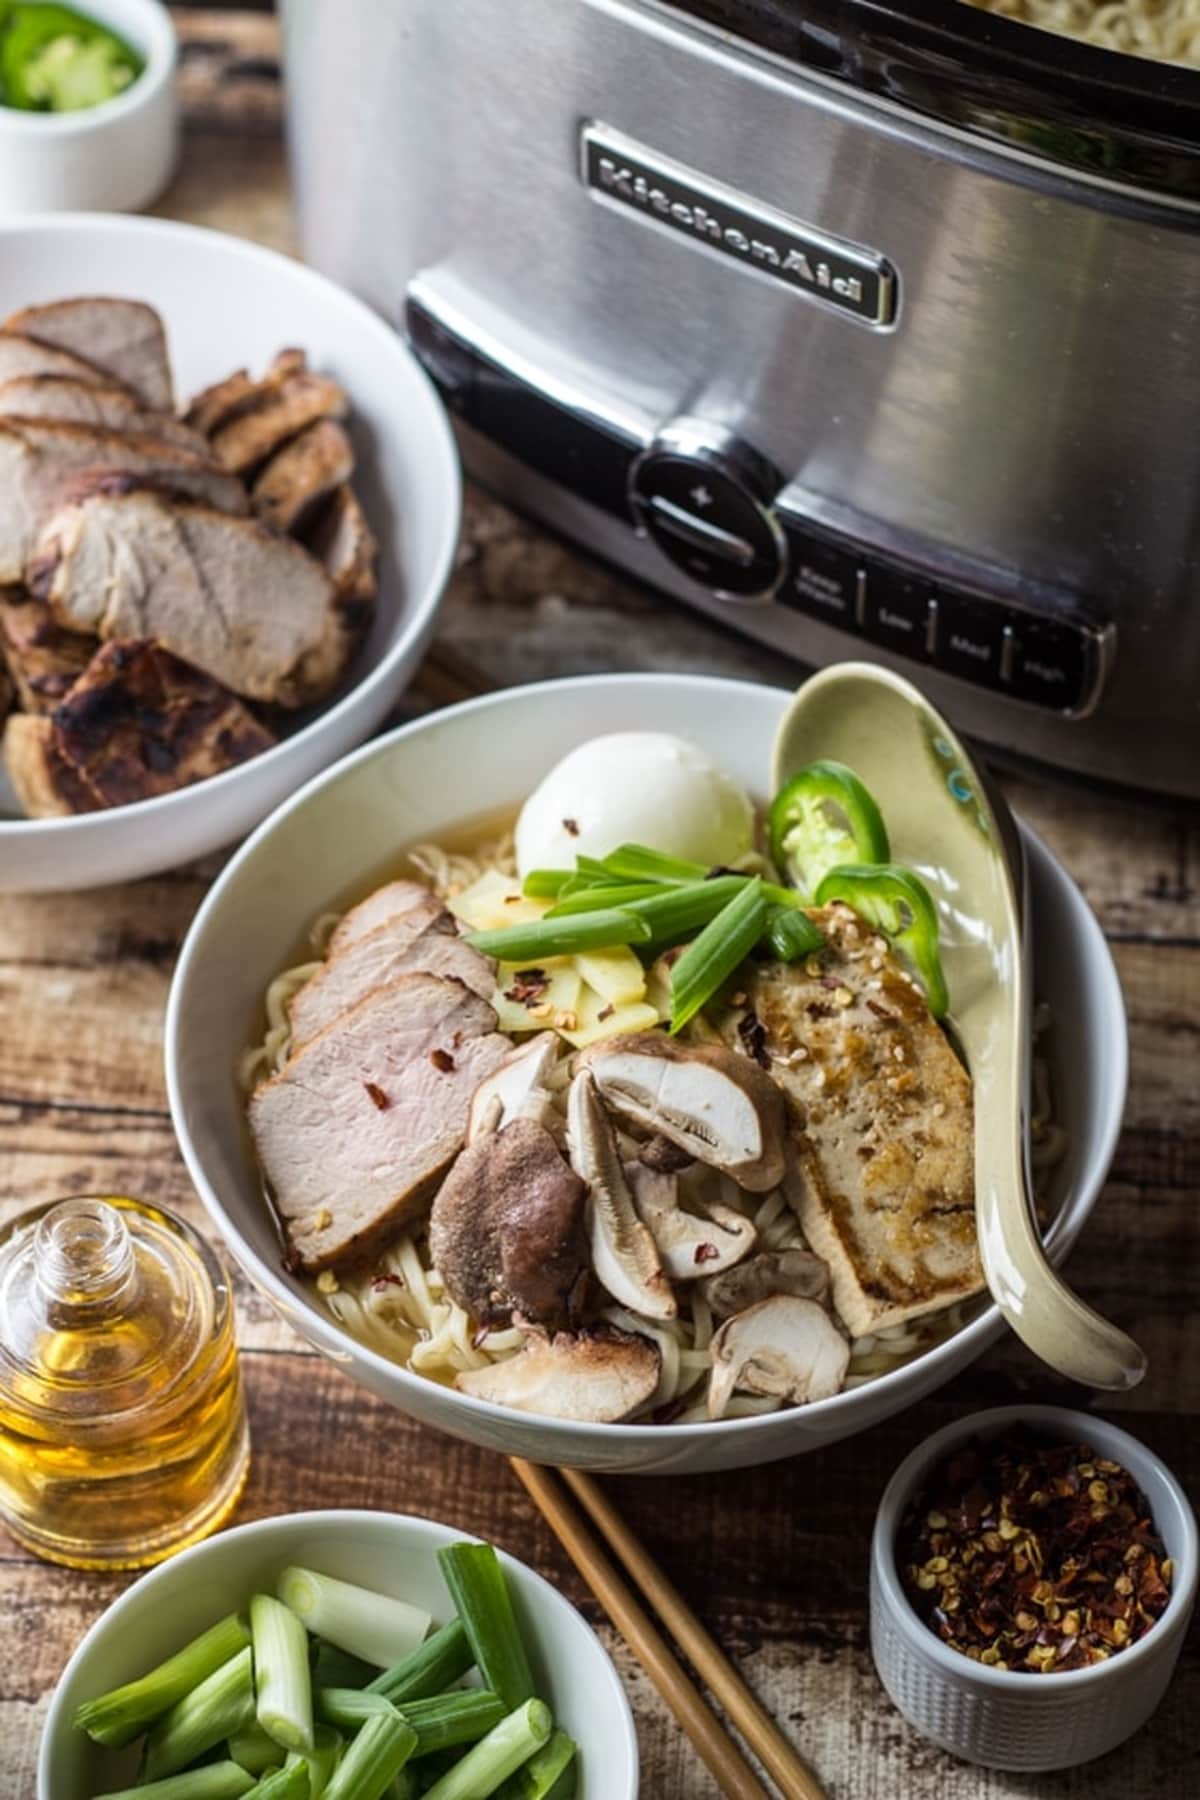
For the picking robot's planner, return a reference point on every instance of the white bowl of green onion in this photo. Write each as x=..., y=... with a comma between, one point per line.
x=340, y=1656
x=88, y=114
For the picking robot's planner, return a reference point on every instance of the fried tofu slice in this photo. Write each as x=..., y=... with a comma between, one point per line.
x=43, y=660
x=882, y=1122
x=139, y=722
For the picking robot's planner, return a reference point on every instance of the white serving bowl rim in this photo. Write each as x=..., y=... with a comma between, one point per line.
x=1070, y=1426
x=440, y=444
x=212, y=1548
x=332, y=1338
x=159, y=52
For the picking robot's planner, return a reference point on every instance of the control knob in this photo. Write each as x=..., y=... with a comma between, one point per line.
x=705, y=498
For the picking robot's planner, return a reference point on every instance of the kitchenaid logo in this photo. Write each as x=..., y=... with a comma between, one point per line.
x=622, y=172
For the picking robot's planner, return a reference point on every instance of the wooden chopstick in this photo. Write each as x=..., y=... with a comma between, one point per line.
x=703, y=1652
x=713, y=1744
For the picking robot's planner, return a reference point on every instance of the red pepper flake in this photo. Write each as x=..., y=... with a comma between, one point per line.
x=378, y=1097
x=753, y=1034
x=442, y=1061
x=706, y=1253
x=529, y=985
x=881, y=1012
x=1034, y=1556
x=385, y=1280
x=571, y=827
x=606, y=1012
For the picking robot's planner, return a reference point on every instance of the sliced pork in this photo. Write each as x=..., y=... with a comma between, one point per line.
x=360, y=1123
x=385, y=903
x=22, y=356
x=212, y=404
x=43, y=660
x=124, y=338
x=278, y=412
x=252, y=609
x=45, y=463
x=881, y=1115
x=139, y=722
x=301, y=475
x=104, y=403
x=420, y=940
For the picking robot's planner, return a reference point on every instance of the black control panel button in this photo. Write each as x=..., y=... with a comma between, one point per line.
x=708, y=522
x=825, y=580
x=971, y=638
x=898, y=613
x=1051, y=662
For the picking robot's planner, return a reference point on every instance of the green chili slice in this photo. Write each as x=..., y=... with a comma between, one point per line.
x=824, y=818
x=897, y=903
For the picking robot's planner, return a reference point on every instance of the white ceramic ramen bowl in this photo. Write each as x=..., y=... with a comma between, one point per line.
x=227, y=304
x=389, y=1552
x=342, y=832
x=113, y=157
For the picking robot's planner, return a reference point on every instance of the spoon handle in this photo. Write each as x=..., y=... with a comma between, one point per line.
x=1043, y=1311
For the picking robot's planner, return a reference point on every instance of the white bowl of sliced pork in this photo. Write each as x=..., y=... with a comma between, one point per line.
x=544, y=1070
x=231, y=502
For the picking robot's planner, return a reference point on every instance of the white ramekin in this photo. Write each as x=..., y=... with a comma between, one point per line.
x=114, y=157
x=1014, y=1721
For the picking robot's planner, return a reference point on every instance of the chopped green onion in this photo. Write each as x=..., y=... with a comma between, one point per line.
x=373, y=1759
x=677, y=911
x=215, y=1781
x=288, y=1783
x=592, y=899
x=562, y=937
x=116, y=1718
x=432, y=1666
x=545, y=884
x=374, y=1626
x=634, y=862
x=253, y=1749
x=499, y=1755
x=217, y=1708
x=478, y=1587
x=320, y=1761
x=348, y=1708
x=281, y=1676
x=405, y=1786
x=550, y=1773
x=711, y=958
x=791, y=934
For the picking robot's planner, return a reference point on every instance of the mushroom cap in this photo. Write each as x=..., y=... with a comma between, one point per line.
x=624, y=1255
x=714, y=1103
x=796, y=1271
x=783, y=1346
x=690, y=1245
x=506, y=1230
x=597, y=1376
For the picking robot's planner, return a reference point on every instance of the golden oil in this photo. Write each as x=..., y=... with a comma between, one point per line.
x=122, y=1425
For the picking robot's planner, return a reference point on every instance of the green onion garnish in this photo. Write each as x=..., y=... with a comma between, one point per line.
x=562, y=937
x=432, y=1666
x=215, y=1781
x=711, y=958
x=791, y=934
x=220, y=1706
x=480, y=1593
x=500, y=1754
x=281, y=1676
x=116, y=1718
x=374, y=1758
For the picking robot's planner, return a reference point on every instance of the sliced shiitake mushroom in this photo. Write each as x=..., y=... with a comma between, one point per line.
x=690, y=1246
x=625, y=1258
x=795, y=1271
x=785, y=1347
x=596, y=1376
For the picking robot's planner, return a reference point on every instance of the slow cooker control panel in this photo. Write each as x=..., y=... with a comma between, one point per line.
x=715, y=509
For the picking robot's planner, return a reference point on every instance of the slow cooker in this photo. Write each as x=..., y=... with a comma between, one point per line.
x=867, y=329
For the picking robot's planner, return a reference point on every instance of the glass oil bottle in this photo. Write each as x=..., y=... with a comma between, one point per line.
x=122, y=1425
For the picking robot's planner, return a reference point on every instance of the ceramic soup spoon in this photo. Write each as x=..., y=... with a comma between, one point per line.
x=942, y=824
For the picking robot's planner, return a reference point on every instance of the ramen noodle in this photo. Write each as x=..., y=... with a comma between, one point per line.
x=1162, y=30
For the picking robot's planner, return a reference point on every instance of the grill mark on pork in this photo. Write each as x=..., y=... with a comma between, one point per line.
x=281, y=410
x=44, y=782
x=344, y=1174
x=212, y=404
x=103, y=403
x=138, y=723
x=301, y=475
x=871, y=1072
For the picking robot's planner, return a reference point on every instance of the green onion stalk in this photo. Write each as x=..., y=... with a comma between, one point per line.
x=480, y=1593
x=116, y=1718
x=499, y=1755
x=219, y=1707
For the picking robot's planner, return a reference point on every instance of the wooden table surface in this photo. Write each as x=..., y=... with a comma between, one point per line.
x=775, y=1561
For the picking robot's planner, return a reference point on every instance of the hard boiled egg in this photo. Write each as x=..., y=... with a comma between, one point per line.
x=634, y=787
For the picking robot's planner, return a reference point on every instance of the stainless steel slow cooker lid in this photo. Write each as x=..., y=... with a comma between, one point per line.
x=1088, y=108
